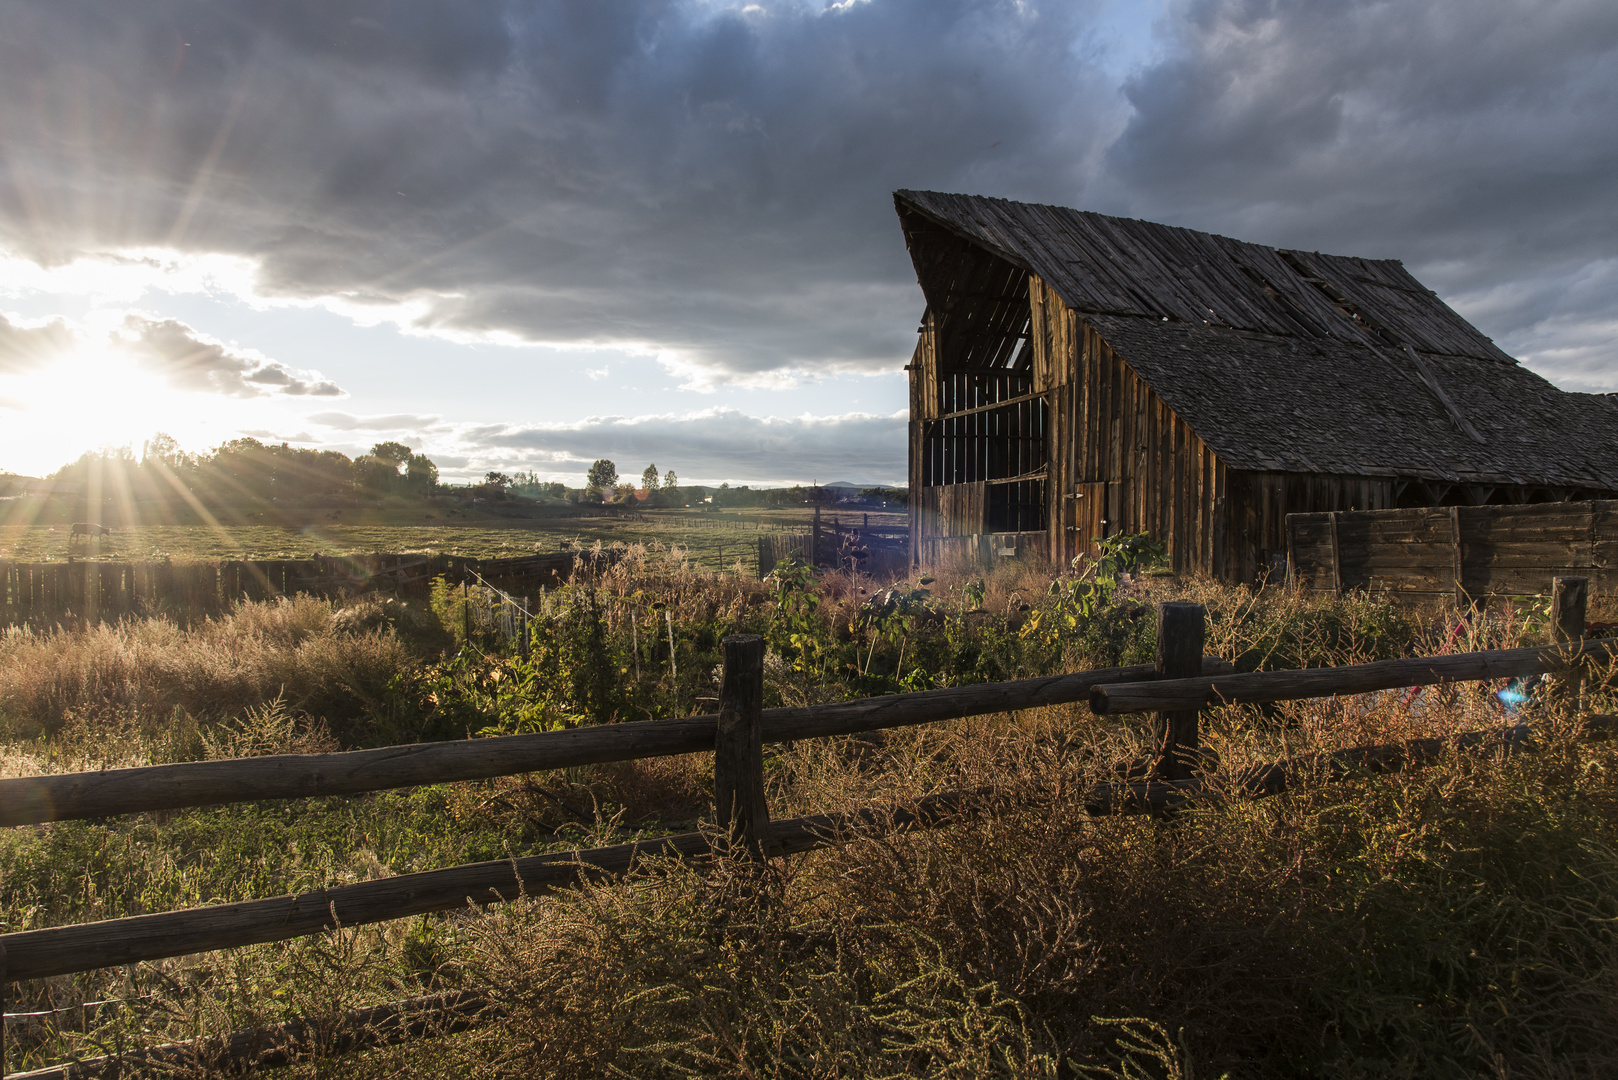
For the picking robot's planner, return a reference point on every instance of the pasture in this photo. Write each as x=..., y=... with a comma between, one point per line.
x=710, y=539
x=1455, y=920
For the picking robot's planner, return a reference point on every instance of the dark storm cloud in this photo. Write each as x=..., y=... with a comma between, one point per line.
x=171, y=349
x=700, y=179
x=712, y=181
x=28, y=348
x=1475, y=139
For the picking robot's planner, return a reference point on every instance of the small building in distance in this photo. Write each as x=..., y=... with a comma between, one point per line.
x=1082, y=376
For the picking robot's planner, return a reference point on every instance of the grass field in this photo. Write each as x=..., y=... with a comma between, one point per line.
x=711, y=539
x=1454, y=921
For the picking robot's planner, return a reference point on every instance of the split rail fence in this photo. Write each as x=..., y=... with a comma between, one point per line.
x=1175, y=688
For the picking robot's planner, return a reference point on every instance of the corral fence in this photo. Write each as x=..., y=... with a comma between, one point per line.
x=84, y=593
x=1454, y=552
x=882, y=553
x=1174, y=690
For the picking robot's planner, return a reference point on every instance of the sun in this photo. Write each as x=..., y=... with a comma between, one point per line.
x=88, y=399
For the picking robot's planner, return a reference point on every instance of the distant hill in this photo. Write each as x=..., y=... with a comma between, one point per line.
x=844, y=485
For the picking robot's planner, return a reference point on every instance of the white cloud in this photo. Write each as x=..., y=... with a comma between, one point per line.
x=26, y=348
x=271, y=436
x=191, y=361
x=343, y=421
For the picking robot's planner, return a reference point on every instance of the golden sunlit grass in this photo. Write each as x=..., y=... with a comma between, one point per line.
x=150, y=673
x=1453, y=921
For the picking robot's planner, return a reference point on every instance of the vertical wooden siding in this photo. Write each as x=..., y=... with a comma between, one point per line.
x=1260, y=502
x=1114, y=441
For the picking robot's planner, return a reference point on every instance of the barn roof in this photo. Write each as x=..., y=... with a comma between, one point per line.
x=1291, y=361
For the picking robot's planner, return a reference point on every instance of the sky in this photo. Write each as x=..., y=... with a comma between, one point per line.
x=519, y=236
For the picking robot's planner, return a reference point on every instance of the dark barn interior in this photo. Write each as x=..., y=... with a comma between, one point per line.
x=1079, y=376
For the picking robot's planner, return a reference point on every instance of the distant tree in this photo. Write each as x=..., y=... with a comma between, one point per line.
x=396, y=452
x=375, y=473
x=670, y=480
x=603, y=475
x=497, y=479
x=420, y=472
x=648, y=479
x=625, y=493
x=164, y=449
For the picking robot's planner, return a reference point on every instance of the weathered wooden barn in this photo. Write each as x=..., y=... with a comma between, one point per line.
x=1080, y=376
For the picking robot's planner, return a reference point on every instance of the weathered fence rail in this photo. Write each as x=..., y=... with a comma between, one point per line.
x=735, y=735
x=32, y=800
x=1201, y=692
x=60, y=950
x=80, y=592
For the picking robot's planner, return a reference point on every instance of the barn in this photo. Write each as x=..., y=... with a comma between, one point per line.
x=1080, y=376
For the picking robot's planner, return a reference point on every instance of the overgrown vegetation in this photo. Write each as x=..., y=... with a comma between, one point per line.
x=1452, y=921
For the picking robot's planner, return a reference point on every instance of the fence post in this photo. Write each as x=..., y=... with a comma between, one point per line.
x=1570, y=598
x=738, y=755
x=527, y=628
x=1180, y=631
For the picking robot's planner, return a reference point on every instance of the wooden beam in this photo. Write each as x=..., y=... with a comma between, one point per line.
x=988, y=408
x=1430, y=381
x=30, y=800
x=1024, y=478
x=60, y=950
x=1255, y=686
x=1455, y=550
x=1336, y=556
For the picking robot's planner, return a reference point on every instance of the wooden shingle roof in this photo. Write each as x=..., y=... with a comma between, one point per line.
x=1296, y=361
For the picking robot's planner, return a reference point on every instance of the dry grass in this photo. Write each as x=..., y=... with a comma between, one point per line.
x=148, y=671
x=1453, y=921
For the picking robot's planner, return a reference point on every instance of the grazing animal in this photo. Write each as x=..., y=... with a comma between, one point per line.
x=88, y=528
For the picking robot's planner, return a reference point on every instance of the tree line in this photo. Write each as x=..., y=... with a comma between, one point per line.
x=247, y=470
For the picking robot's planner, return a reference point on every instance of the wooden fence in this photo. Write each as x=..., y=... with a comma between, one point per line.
x=830, y=543
x=1455, y=552
x=981, y=549
x=1177, y=686
x=84, y=593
